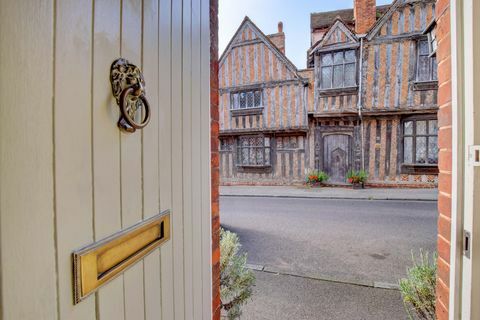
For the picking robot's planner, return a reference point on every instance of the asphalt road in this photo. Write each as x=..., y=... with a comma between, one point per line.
x=352, y=241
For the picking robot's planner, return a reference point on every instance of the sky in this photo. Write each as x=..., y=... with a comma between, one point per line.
x=295, y=15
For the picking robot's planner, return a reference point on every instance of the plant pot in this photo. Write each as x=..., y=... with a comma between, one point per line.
x=358, y=185
x=315, y=184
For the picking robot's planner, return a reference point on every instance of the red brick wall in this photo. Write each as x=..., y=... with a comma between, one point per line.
x=365, y=15
x=445, y=156
x=215, y=159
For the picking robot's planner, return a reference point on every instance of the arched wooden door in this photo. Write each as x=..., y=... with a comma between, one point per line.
x=69, y=177
x=336, y=156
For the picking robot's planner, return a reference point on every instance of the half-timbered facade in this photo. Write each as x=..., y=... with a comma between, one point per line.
x=375, y=96
x=263, y=110
x=368, y=99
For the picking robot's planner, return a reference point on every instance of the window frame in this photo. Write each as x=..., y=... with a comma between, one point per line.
x=266, y=149
x=333, y=65
x=432, y=60
x=235, y=102
x=414, y=167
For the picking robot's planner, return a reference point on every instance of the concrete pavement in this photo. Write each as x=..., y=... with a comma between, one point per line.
x=331, y=193
x=331, y=244
x=280, y=297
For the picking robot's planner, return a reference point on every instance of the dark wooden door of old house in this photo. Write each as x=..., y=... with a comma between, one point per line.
x=336, y=156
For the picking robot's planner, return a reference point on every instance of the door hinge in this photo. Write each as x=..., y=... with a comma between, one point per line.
x=466, y=243
x=474, y=156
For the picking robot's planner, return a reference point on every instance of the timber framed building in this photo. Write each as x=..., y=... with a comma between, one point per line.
x=368, y=99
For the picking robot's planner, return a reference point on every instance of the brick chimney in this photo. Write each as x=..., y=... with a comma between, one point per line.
x=365, y=15
x=278, y=38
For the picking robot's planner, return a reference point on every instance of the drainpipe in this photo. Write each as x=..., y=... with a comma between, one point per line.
x=359, y=104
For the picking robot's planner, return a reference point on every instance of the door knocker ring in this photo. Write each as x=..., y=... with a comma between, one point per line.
x=128, y=88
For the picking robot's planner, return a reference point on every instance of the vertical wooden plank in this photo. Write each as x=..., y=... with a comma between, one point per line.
x=177, y=163
x=151, y=154
x=383, y=149
x=394, y=147
x=187, y=157
x=73, y=166
x=165, y=149
x=386, y=101
x=196, y=142
x=131, y=162
x=106, y=146
x=26, y=161
x=376, y=76
x=373, y=135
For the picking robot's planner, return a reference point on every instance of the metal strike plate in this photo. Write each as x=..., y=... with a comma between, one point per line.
x=466, y=243
x=474, y=156
x=98, y=263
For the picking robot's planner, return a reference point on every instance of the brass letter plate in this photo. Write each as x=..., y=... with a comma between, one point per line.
x=100, y=262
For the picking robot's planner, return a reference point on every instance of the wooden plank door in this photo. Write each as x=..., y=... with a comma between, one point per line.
x=336, y=156
x=69, y=177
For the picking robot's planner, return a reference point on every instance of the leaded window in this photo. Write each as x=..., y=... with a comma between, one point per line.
x=253, y=151
x=246, y=100
x=420, y=142
x=338, y=69
x=426, y=63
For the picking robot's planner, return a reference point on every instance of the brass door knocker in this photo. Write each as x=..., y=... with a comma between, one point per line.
x=128, y=88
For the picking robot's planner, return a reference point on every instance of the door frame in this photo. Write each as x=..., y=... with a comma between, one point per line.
x=464, y=271
x=321, y=132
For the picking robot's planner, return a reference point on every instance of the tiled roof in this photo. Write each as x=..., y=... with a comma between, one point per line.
x=319, y=20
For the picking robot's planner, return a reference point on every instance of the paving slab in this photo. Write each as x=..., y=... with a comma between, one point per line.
x=331, y=193
x=283, y=297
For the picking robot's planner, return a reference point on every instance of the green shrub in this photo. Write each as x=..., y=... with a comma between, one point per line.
x=359, y=176
x=236, y=281
x=418, y=289
x=317, y=177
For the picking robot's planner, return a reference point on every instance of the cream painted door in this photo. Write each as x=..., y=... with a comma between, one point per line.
x=69, y=177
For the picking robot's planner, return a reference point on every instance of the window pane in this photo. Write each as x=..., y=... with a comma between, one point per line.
x=350, y=56
x=421, y=127
x=421, y=152
x=327, y=77
x=423, y=48
x=433, y=127
x=408, y=128
x=350, y=75
x=233, y=101
x=432, y=150
x=407, y=149
x=327, y=59
x=258, y=98
x=250, y=99
x=338, y=57
x=338, y=76
x=243, y=100
x=423, y=72
x=434, y=68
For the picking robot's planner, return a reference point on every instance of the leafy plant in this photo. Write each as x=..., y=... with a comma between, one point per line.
x=236, y=281
x=359, y=176
x=418, y=289
x=317, y=177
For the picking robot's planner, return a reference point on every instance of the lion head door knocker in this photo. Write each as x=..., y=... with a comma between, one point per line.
x=128, y=87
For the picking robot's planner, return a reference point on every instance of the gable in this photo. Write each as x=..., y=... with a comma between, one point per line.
x=251, y=54
x=339, y=33
x=404, y=17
